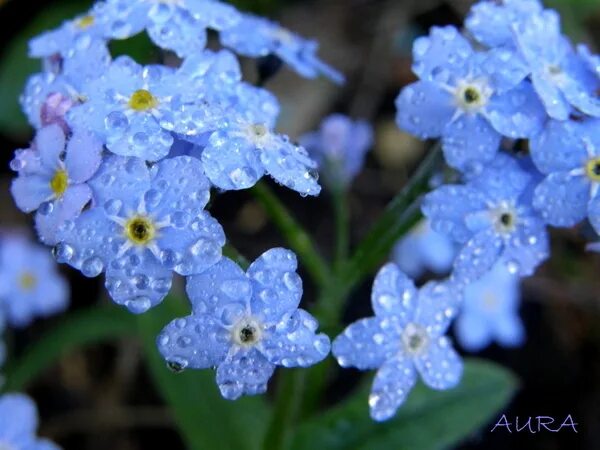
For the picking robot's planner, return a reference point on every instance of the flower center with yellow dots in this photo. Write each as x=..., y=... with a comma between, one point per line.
x=85, y=22
x=142, y=100
x=140, y=230
x=59, y=183
x=592, y=169
x=27, y=282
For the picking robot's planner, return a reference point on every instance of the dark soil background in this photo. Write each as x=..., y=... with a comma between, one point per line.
x=101, y=397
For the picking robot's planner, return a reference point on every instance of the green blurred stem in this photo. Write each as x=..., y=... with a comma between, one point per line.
x=287, y=409
x=341, y=210
x=297, y=238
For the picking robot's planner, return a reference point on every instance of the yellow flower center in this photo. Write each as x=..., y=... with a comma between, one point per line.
x=140, y=230
x=85, y=22
x=27, y=281
x=142, y=100
x=59, y=183
x=592, y=169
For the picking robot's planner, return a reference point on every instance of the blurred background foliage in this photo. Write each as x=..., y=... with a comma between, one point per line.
x=102, y=396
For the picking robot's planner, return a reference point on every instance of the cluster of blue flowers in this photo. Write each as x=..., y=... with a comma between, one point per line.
x=125, y=156
x=124, y=159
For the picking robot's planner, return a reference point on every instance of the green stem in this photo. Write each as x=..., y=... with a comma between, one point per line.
x=400, y=215
x=287, y=408
x=342, y=227
x=297, y=238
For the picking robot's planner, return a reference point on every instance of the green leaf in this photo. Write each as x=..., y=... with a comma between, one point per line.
x=206, y=420
x=428, y=420
x=16, y=66
x=74, y=331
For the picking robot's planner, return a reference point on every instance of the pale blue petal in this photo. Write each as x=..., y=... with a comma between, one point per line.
x=437, y=306
x=562, y=199
x=83, y=156
x=367, y=343
x=472, y=332
x=392, y=383
x=194, y=342
x=30, y=191
x=440, y=366
x=477, y=256
x=548, y=147
x=394, y=294
x=245, y=373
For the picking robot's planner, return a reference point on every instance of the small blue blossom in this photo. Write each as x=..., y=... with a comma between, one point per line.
x=245, y=324
x=490, y=217
x=339, y=147
x=490, y=311
x=405, y=337
x=134, y=109
x=568, y=153
x=255, y=36
x=30, y=285
x=18, y=424
x=469, y=99
x=145, y=224
x=53, y=177
x=79, y=66
x=559, y=75
x=423, y=249
x=492, y=22
x=239, y=154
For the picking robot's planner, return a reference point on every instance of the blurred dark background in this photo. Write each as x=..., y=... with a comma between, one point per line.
x=101, y=397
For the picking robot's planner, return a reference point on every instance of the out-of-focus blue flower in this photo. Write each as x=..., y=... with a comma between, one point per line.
x=405, y=337
x=18, y=424
x=492, y=23
x=559, y=75
x=30, y=285
x=490, y=311
x=490, y=217
x=145, y=225
x=469, y=99
x=53, y=177
x=424, y=249
x=339, y=148
x=568, y=153
x=239, y=154
x=86, y=62
x=255, y=36
x=245, y=324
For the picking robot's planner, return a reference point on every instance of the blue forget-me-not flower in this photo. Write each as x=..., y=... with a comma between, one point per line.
x=30, y=285
x=489, y=311
x=403, y=339
x=491, y=217
x=53, y=177
x=424, y=249
x=245, y=324
x=339, y=147
x=470, y=99
x=568, y=153
x=146, y=223
x=18, y=424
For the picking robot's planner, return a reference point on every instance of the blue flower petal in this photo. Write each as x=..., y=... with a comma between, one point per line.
x=473, y=332
x=367, y=343
x=394, y=294
x=194, y=342
x=477, y=256
x=470, y=141
x=30, y=191
x=294, y=343
x=392, y=383
x=67, y=207
x=220, y=285
x=437, y=307
x=276, y=285
x=83, y=156
x=440, y=366
x=548, y=147
x=245, y=373
x=137, y=280
x=231, y=163
x=424, y=109
x=562, y=199
x=50, y=143
x=120, y=178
